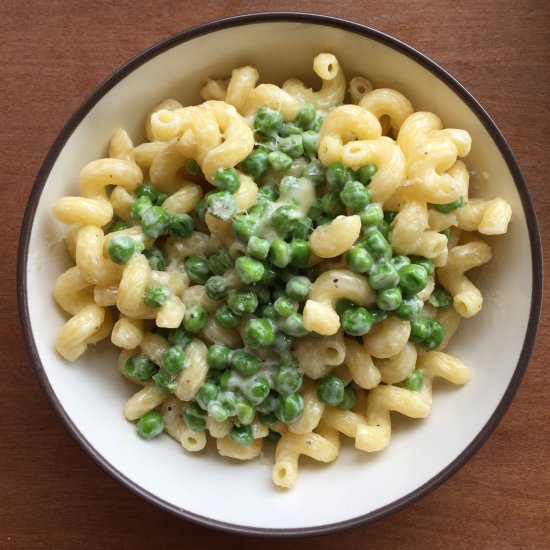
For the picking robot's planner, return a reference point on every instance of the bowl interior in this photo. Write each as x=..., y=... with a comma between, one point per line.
x=206, y=486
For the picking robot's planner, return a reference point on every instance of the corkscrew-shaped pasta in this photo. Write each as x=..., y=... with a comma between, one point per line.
x=94, y=207
x=319, y=312
x=467, y=298
x=89, y=323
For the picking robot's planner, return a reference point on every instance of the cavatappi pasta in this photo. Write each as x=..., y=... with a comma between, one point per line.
x=278, y=265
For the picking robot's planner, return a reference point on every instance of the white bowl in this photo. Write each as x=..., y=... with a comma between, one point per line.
x=89, y=394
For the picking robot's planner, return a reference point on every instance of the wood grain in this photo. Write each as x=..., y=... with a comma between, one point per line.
x=52, y=55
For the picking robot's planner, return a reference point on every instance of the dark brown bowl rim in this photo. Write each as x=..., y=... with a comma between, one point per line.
x=490, y=126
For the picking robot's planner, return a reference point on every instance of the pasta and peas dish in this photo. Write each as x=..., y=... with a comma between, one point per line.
x=278, y=265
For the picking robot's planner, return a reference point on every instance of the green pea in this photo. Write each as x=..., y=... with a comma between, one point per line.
x=383, y=275
x=266, y=193
x=218, y=356
x=245, y=227
x=215, y=287
x=365, y=173
x=226, y=318
x=140, y=206
x=284, y=218
x=371, y=215
x=181, y=226
x=343, y=305
x=427, y=264
x=385, y=229
x=119, y=225
x=259, y=333
x=283, y=343
x=290, y=408
x=121, y=248
x=219, y=262
x=200, y=209
x=279, y=253
x=256, y=163
x=292, y=145
x=268, y=121
x=446, y=232
x=388, y=299
x=156, y=258
x=420, y=329
x=191, y=167
x=446, y=208
x=269, y=404
x=154, y=221
x=165, y=381
x=288, y=129
x=262, y=293
x=359, y=259
x=197, y=268
x=194, y=417
x=140, y=367
x=293, y=325
x=299, y=252
x=332, y=204
x=180, y=337
x=298, y=287
x=337, y=175
x=268, y=143
x=400, y=261
x=437, y=334
x=227, y=179
x=196, y=318
x=354, y=195
x=349, y=399
x=257, y=390
x=377, y=245
x=310, y=141
x=324, y=219
x=217, y=411
x=241, y=435
x=151, y=425
x=242, y=302
x=156, y=295
x=268, y=312
x=409, y=308
x=306, y=114
x=317, y=123
x=279, y=161
x=229, y=400
x=302, y=229
x=173, y=360
x=287, y=380
x=268, y=418
x=249, y=269
x=147, y=190
x=357, y=321
x=285, y=306
x=161, y=198
x=440, y=297
x=412, y=278
x=207, y=393
x=245, y=412
x=331, y=390
x=221, y=205
x=315, y=172
x=415, y=380
x=245, y=363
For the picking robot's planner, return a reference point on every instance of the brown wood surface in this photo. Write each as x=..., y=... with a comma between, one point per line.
x=52, y=54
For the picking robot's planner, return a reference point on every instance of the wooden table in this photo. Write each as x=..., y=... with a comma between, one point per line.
x=52, y=54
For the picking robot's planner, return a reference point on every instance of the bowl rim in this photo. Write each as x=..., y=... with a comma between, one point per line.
x=349, y=26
